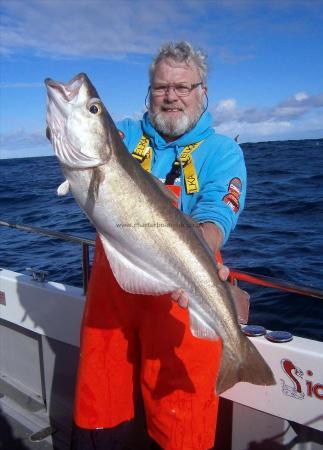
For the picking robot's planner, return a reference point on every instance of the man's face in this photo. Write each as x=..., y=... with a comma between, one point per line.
x=170, y=114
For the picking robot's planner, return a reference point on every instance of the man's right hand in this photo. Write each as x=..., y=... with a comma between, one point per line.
x=240, y=297
x=181, y=297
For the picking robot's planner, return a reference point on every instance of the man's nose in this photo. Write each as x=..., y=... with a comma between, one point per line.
x=170, y=94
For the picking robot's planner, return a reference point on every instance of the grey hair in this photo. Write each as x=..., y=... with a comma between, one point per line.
x=181, y=52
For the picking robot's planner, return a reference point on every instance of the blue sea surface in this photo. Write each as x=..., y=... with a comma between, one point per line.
x=279, y=234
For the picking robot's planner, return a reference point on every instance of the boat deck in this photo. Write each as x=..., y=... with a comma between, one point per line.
x=39, y=349
x=16, y=436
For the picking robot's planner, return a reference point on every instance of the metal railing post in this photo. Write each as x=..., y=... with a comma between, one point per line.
x=85, y=266
x=65, y=237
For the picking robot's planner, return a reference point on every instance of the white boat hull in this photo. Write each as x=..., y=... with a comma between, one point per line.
x=39, y=331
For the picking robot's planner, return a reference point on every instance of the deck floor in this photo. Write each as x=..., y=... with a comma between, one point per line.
x=15, y=436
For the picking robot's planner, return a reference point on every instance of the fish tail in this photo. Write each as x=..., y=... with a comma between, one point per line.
x=248, y=366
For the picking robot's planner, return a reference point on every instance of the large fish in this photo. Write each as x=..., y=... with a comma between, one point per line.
x=151, y=246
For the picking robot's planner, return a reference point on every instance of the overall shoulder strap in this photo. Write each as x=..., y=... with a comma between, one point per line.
x=143, y=153
x=190, y=175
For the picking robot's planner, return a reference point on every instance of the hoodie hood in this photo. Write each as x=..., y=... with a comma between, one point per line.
x=202, y=130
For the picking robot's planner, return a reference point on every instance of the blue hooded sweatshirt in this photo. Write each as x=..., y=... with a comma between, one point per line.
x=218, y=162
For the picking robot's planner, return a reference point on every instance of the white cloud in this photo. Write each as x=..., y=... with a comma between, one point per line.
x=300, y=96
x=300, y=113
x=302, y=99
x=259, y=131
x=251, y=124
x=297, y=117
x=21, y=143
x=291, y=108
x=114, y=28
x=228, y=105
x=87, y=28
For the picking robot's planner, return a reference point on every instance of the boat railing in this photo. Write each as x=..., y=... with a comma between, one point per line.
x=84, y=242
x=235, y=275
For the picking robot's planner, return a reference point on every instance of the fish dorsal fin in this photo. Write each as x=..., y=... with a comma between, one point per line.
x=199, y=328
x=133, y=274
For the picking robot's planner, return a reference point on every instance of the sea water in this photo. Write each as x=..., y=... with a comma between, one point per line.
x=279, y=233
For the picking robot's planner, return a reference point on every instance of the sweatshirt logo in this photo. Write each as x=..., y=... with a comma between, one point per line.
x=232, y=197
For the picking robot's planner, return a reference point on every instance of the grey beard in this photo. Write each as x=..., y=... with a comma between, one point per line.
x=174, y=128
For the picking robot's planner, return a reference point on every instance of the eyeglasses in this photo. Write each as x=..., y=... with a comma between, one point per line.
x=181, y=90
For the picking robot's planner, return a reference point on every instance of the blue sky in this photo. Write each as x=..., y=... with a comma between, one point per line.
x=265, y=57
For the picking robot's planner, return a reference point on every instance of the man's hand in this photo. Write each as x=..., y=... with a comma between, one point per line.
x=180, y=295
x=240, y=297
x=213, y=237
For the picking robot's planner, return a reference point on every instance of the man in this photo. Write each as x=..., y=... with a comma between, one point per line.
x=135, y=344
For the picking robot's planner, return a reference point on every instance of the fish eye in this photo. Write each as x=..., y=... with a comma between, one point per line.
x=95, y=108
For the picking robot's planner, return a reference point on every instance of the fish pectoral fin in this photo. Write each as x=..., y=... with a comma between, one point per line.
x=63, y=188
x=200, y=329
x=132, y=275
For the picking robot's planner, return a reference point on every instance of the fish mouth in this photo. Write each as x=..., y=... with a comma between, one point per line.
x=62, y=100
x=60, y=95
x=67, y=91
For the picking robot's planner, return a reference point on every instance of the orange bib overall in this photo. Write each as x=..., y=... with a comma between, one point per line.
x=132, y=342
